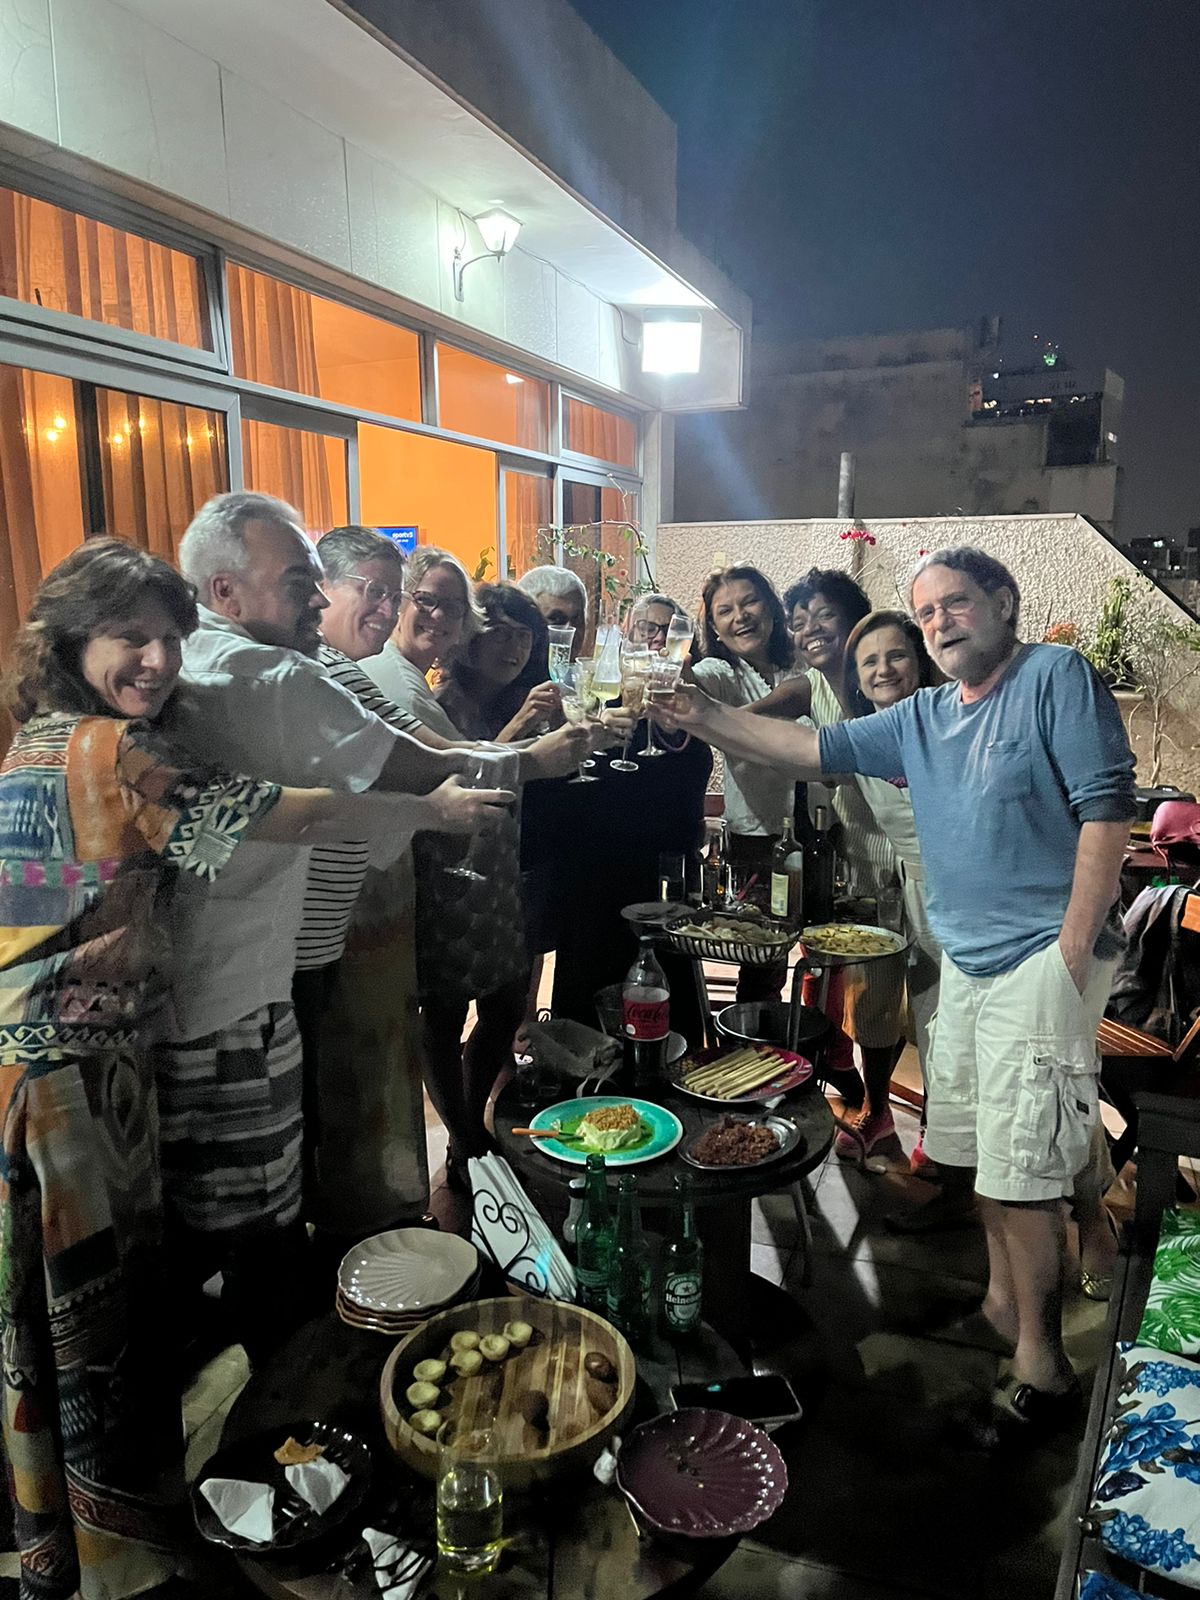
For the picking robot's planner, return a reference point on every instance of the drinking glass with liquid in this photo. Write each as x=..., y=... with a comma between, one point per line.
x=470, y=1500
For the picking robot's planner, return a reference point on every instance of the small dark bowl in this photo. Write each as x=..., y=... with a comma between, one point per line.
x=701, y=1474
x=296, y=1523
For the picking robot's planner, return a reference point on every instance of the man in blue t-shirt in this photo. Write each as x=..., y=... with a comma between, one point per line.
x=1021, y=781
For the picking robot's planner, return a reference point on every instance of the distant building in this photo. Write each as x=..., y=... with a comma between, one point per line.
x=936, y=424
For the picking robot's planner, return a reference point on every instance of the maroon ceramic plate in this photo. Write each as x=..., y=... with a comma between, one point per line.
x=701, y=1473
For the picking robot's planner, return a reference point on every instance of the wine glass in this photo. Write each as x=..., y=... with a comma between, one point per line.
x=484, y=769
x=580, y=704
x=635, y=675
x=680, y=634
x=661, y=679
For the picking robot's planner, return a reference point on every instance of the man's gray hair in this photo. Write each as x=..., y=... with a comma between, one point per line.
x=422, y=562
x=980, y=567
x=215, y=538
x=558, y=581
x=343, y=551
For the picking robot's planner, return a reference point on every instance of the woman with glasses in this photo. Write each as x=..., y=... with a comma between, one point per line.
x=470, y=933
x=498, y=687
x=649, y=618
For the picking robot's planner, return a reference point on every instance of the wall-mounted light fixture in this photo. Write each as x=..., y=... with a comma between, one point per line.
x=670, y=341
x=498, y=229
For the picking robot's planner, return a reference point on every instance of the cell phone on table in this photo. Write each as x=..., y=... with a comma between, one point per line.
x=767, y=1401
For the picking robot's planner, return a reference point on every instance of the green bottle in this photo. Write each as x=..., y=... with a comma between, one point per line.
x=594, y=1239
x=683, y=1267
x=629, y=1271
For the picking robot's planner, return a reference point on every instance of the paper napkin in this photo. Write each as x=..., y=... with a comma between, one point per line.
x=246, y=1509
x=398, y=1569
x=318, y=1482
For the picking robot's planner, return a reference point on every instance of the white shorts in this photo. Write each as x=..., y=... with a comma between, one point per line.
x=1012, y=1075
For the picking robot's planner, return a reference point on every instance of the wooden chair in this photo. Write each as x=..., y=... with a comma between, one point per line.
x=1132, y=1063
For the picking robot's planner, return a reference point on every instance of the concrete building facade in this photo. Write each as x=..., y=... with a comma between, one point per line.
x=934, y=430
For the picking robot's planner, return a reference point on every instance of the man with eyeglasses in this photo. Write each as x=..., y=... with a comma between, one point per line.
x=1021, y=781
x=229, y=1071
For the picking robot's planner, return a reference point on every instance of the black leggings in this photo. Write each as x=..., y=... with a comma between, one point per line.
x=460, y=1077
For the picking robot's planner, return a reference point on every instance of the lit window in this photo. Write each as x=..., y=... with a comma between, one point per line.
x=290, y=339
x=487, y=401
x=66, y=262
x=590, y=431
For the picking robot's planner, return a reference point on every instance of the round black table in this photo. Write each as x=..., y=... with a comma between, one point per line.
x=570, y=1542
x=736, y=1301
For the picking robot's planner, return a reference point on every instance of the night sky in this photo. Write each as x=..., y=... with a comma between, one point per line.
x=864, y=165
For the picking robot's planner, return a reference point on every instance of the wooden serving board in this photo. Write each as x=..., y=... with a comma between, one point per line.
x=581, y=1413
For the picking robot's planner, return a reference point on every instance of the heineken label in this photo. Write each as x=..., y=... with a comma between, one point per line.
x=593, y=1287
x=681, y=1301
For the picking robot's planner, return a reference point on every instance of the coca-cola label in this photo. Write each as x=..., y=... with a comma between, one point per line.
x=646, y=1020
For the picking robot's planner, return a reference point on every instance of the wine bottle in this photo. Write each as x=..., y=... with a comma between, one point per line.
x=787, y=876
x=820, y=868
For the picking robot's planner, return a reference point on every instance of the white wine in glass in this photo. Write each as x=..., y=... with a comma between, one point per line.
x=679, y=639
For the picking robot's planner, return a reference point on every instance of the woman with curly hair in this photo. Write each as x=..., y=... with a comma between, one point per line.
x=101, y=819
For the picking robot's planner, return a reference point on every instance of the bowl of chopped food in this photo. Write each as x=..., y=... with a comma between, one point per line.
x=745, y=936
x=625, y=1132
x=733, y=1142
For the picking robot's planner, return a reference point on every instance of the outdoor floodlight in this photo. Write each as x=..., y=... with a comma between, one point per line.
x=498, y=229
x=670, y=341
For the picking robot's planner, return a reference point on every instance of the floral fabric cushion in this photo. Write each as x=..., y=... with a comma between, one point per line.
x=1172, y=1317
x=1147, y=1494
x=1099, y=1586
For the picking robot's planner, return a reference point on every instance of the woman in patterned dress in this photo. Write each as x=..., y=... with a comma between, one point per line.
x=100, y=822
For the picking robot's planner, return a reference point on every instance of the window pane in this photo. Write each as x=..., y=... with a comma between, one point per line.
x=528, y=506
x=592, y=432
x=65, y=262
x=159, y=463
x=41, y=504
x=596, y=518
x=485, y=400
x=303, y=342
x=447, y=491
x=308, y=470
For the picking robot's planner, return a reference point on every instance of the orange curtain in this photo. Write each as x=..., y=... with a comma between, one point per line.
x=603, y=434
x=527, y=508
x=41, y=505
x=159, y=463
x=271, y=328
x=57, y=259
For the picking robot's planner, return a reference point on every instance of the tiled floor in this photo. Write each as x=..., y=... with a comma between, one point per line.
x=883, y=1502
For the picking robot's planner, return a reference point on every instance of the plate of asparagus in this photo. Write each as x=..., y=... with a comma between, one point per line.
x=749, y=1076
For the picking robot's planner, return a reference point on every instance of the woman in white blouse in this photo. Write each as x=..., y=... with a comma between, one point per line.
x=746, y=651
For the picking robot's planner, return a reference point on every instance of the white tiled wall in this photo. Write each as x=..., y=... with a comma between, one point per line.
x=27, y=98
x=97, y=80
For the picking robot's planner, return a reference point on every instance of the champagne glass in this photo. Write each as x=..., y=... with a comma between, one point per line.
x=680, y=634
x=635, y=669
x=580, y=704
x=661, y=679
x=493, y=769
x=561, y=640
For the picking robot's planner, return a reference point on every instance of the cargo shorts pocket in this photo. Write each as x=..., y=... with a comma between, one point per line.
x=1057, y=1106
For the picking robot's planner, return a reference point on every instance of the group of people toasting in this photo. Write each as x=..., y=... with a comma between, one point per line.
x=242, y=920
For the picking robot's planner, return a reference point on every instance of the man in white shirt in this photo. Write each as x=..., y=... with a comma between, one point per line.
x=229, y=1075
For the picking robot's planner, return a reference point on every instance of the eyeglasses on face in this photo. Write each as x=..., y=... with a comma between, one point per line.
x=452, y=610
x=956, y=606
x=377, y=594
x=644, y=629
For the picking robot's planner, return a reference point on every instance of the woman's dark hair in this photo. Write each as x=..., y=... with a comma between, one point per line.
x=779, y=645
x=101, y=584
x=504, y=605
x=837, y=586
x=927, y=674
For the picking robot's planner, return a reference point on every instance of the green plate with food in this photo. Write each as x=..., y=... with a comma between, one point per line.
x=623, y=1131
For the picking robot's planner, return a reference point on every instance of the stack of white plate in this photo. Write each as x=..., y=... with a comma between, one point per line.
x=394, y=1281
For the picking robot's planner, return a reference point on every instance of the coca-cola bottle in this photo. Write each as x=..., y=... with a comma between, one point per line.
x=645, y=1015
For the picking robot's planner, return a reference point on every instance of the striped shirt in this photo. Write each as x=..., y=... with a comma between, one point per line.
x=336, y=871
